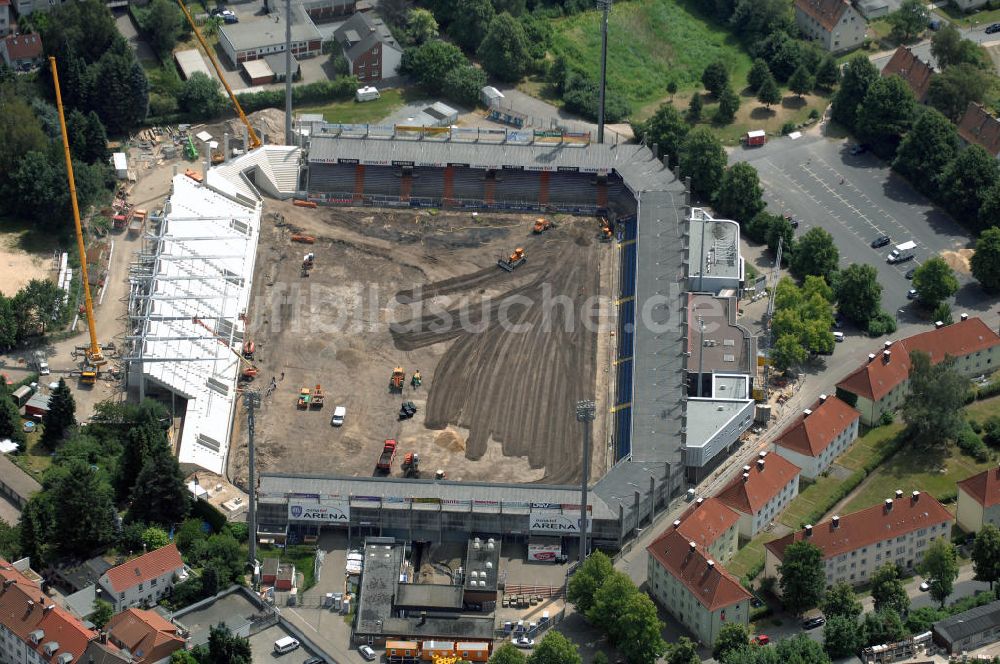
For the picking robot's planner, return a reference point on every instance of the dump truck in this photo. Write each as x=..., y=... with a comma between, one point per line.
x=305, y=396
x=541, y=225
x=511, y=262
x=407, y=410
x=317, y=397
x=416, y=380
x=388, y=454
x=137, y=221
x=411, y=465
x=397, y=379
x=901, y=252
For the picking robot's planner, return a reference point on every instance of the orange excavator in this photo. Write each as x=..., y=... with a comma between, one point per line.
x=511, y=262
x=397, y=379
x=606, y=232
x=541, y=225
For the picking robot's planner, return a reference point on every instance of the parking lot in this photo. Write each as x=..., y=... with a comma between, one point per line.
x=262, y=646
x=856, y=198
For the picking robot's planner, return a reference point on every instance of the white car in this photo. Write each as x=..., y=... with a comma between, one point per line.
x=524, y=642
x=925, y=586
x=338, y=416
x=367, y=653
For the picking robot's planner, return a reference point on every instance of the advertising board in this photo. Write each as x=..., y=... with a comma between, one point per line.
x=327, y=513
x=556, y=523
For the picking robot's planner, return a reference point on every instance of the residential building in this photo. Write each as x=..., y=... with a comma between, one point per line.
x=915, y=72
x=819, y=436
x=252, y=40
x=102, y=652
x=979, y=501
x=694, y=588
x=968, y=630
x=32, y=628
x=969, y=5
x=896, y=531
x=761, y=492
x=5, y=17
x=872, y=9
x=833, y=24
x=19, y=51
x=713, y=526
x=879, y=385
x=371, y=51
x=25, y=7
x=146, y=636
x=144, y=580
x=979, y=127
x=322, y=11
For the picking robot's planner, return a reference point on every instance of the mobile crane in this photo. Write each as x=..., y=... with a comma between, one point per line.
x=93, y=357
x=254, y=141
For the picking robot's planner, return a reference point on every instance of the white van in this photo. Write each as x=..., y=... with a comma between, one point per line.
x=838, y=336
x=367, y=93
x=285, y=644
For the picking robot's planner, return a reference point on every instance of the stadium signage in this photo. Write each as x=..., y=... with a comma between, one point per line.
x=344, y=160
x=402, y=163
x=556, y=523
x=330, y=512
x=455, y=163
x=568, y=169
x=513, y=168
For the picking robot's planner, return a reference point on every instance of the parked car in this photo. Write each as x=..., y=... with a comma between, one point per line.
x=880, y=241
x=924, y=586
x=337, y=420
x=838, y=337
x=524, y=642
x=993, y=28
x=859, y=148
x=762, y=639
x=227, y=15
x=367, y=653
x=911, y=294
x=792, y=220
x=813, y=623
x=315, y=660
x=910, y=273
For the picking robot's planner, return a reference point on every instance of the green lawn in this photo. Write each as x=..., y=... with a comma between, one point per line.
x=969, y=20
x=352, y=112
x=863, y=449
x=650, y=43
x=750, y=556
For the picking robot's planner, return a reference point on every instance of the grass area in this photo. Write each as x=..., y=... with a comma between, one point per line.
x=650, y=44
x=37, y=459
x=24, y=235
x=880, y=28
x=163, y=79
x=964, y=20
x=352, y=112
x=750, y=556
x=866, y=447
x=983, y=410
x=302, y=556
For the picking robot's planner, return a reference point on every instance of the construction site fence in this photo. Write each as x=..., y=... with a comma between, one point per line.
x=548, y=592
x=518, y=136
x=385, y=200
x=531, y=632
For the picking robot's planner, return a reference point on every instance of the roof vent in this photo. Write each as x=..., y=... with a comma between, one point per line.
x=964, y=316
x=807, y=412
x=888, y=504
x=915, y=495
x=809, y=530
x=899, y=494
x=836, y=521
x=938, y=324
x=822, y=398
x=871, y=357
x=677, y=523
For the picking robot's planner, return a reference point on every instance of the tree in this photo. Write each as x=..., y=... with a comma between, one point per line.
x=200, y=97
x=610, y=604
x=463, y=84
x=949, y=48
x=927, y=149
x=740, y=196
x=939, y=567
x=842, y=636
x=159, y=495
x=841, y=600
x=781, y=230
x=693, y=115
x=87, y=137
x=10, y=418
x=142, y=432
x=421, y=26
x=922, y=620
x=932, y=410
x=165, y=23
x=828, y=73
x=430, y=63
x=60, y=416
x=909, y=20
x=120, y=89
x=683, y=651
x=934, y=281
x=758, y=74
x=666, y=129
x=102, y=613
x=504, y=51
x=469, y=30
x=966, y=181
x=715, y=78
x=800, y=648
x=554, y=649
x=815, y=253
x=704, y=160
x=729, y=103
x=671, y=90
x=587, y=580
x=507, y=654
x=731, y=638
x=224, y=647
x=989, y=212
x=859, y=293
x=769, y=93
x=859, y=74
x=801, y=81
x=888, y=591
x=183, y=657
x=952, y=90
x=986, y=554
x=985, y=262
x=883, y=626
x=84, y=519
x=21, y=131
x=788, y=352
x=754, y=20
x=885, y=114
x=638, y=634
x=155, y=538
x=802, y=577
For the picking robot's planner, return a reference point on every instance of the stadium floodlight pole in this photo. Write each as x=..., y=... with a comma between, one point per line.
x=585, y=413
x=605, y=5
x=288, y=72
x=251, y=401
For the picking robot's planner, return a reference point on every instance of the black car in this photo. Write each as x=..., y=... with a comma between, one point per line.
x=993, y=28
x=860, y=148
x=315, y=660
x=910, y=273
x=792, y=220
x=880, y=241
x=813, y=623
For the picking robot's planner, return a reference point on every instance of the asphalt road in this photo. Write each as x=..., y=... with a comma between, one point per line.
x=923, y=49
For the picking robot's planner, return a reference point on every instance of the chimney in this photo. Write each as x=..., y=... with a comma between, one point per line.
x=938, y=325
x=691, y=547
x=809, y=530
x=746, y=477
x=822, y=398
x=886, y=354
x=48, y=607
x=888, y=504
x=746, y=469
x=760, y=465
x=711, y=565
x=887, y=345
x=761, y=454
x=836, y=521
x=899, y=494
x=871, y=357
x=699, y=501
x=807, y=412
x=104, y=637
x=915, y=496
x=964, y=316
x=677, y=523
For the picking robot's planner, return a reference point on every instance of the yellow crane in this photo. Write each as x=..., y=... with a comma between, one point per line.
x=254, y=141
x=94, y=358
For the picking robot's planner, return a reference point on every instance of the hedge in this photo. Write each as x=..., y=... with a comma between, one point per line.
x=339, y=89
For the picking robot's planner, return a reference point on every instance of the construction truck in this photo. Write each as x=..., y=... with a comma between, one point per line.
x=137, y=221
x=384, y=462
x=249, y=348
x=305, y=396
x=541, y=225
x=39, y=363
x=416, y=380
x=317, y=397
x=411, y=465
x=396, y=380
x=308, y=260
x=407, y=410
x=516, y=259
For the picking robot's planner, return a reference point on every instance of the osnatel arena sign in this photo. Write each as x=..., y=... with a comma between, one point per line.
x=556, y=524
x=333, y=512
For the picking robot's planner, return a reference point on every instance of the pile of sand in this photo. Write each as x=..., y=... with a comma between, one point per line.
x=959, y=260
x=450, y=440
x=271, y=119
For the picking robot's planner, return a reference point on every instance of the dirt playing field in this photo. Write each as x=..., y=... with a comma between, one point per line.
x=18, y=267
x=504, y=357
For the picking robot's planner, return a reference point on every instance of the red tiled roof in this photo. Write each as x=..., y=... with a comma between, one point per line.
x=23, y=47
x=911, y=69
x=869, y=526
x=750, y=495
x=714, y=587
x=25, y=610
x=827, y=12
x=707, y=522
x=147, y=635
x=813, y=434
x=877, y=378
x=981, y=128
x=148, y=566
x=984, y=488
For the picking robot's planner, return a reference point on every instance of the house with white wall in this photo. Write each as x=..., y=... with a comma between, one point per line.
x=761, y=492
x=144, y=580
x=821, y=434
x=833, y=24
x=979, y=501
